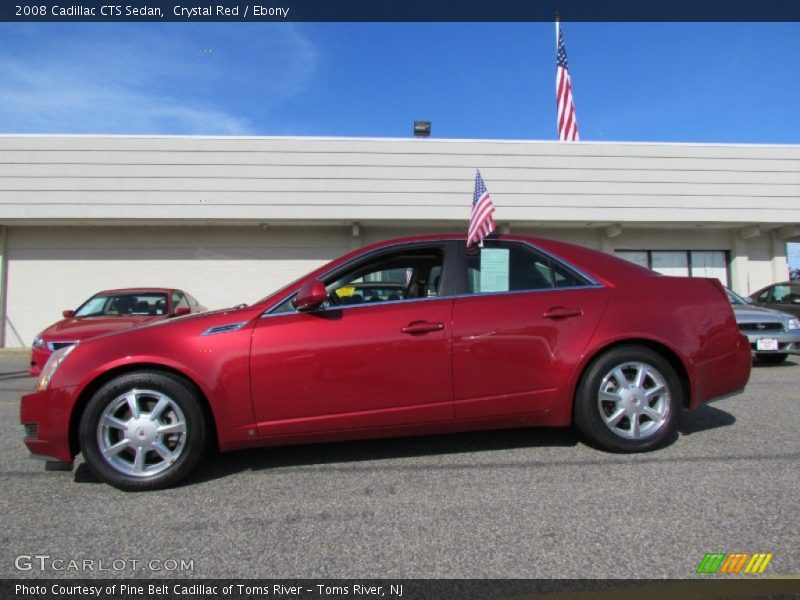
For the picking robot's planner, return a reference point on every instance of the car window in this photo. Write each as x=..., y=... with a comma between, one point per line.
x=785, y=293
x=390, y=277
x=764, y=296
x=780, y=293
x=513, y=266
x=124, y=304
x=179, y=301
x=405, y=274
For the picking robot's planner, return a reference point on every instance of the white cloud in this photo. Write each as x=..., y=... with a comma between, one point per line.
x=168, y=79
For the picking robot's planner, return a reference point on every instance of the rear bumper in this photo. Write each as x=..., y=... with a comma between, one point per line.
x=45, y=416
x=723, y=376
x=788, y=343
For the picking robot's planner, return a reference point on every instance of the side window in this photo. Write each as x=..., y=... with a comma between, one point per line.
x=764, y=296
x=786, y=294
x=179, y=301
x=390, y=277
x=405, y=274
x=513, y=267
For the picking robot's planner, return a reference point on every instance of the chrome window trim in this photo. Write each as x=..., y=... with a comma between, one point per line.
x=593, y=286
x=593, y=283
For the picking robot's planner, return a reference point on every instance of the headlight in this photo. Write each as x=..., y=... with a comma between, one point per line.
x=51, y=366
x=37, y=342
x=793, y=324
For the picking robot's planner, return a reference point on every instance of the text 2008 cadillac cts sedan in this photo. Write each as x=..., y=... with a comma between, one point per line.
x=412, y=336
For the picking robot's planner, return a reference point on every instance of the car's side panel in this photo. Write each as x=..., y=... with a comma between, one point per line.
x=690, y=316
x=218, y=364
x=352, y=368
x=512, y=353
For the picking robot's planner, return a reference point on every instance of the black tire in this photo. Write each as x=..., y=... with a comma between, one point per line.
x=771, y=359
x=591, y=412
x=155, y=471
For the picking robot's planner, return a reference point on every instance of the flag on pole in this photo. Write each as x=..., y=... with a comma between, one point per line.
x=567, y=122
x=481, y=223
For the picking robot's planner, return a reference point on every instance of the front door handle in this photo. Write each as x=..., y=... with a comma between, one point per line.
x=422, y=327
x=560, y=312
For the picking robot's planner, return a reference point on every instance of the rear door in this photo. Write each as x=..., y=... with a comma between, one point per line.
x=519, y=328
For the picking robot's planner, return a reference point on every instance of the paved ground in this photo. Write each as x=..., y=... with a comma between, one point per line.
x=523, y=503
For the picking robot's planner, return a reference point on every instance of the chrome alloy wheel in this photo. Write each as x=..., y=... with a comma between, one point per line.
x=633, y=400
x=141, y=433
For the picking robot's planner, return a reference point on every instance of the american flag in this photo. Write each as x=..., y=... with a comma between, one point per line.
x=481, y=222
x=567, y=122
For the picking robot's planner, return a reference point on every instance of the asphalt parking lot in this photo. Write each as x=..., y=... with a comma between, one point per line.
x=516, y=504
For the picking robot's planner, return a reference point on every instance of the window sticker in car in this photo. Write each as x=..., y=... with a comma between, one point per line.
x=494, y=270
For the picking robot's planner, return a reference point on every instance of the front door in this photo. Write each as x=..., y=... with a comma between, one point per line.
x=376, y=354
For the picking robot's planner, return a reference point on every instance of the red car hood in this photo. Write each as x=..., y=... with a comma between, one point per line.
x=81, y=328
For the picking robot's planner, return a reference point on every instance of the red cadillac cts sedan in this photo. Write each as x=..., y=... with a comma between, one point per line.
x=412, y=336
x=108, y=311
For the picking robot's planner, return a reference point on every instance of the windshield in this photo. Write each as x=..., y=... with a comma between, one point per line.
x=124, y=304
x=734, y=298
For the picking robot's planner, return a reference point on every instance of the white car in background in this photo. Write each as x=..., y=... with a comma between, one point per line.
x=773, y=335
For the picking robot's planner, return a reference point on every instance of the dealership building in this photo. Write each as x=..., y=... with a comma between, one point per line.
x=230, y=219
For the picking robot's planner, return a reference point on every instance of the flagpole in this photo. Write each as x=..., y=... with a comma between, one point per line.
x=558, y=18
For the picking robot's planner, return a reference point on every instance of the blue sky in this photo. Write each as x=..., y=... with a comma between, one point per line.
x=683, y=82
x=717, y=82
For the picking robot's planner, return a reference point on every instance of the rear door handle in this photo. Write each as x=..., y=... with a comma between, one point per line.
x=560, y=312
x=422, y=327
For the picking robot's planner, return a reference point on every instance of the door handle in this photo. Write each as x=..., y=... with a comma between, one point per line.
x=422, y=327
x=560, y=312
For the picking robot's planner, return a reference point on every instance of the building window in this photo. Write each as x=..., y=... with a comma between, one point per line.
x=686, y=263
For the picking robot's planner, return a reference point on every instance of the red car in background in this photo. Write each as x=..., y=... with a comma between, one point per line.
x=521, y=332
x=108, y=311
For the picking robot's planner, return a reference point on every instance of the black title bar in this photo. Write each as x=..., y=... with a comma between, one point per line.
x=393, y=589
x=399, y=10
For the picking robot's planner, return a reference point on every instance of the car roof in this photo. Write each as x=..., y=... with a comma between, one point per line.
x=136, y=291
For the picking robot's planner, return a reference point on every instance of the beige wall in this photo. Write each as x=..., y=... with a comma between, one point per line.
x=53, y=268
x=231, y=219
x=184, y=178
x=50, y=269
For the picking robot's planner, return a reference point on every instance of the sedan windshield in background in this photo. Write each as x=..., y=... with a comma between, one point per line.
x=124, y=304
x=735, y=298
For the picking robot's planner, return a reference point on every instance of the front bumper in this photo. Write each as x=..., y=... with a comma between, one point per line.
x=788, y=342
x=45, y=417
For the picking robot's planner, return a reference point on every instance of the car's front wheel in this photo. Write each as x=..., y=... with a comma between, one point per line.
x=628, y=400
x=143, y=431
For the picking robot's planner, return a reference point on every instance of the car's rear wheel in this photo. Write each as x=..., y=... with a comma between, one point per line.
x=771, y=359
x=629, y=400
x=143, y=431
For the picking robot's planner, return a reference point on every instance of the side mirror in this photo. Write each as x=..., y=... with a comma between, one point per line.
x=182, y=310
x=68, y=313
x=311, y=295
x=749, y=300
